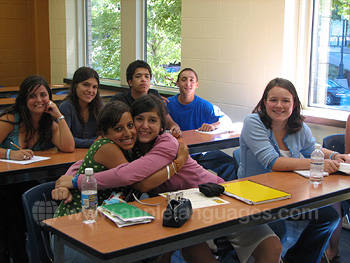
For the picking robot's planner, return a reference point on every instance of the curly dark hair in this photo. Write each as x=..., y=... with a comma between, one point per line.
x=27, y=87
x=130, y=71
x=80, y=75
x=149, y=102
x=295, y=121
x=110, y=115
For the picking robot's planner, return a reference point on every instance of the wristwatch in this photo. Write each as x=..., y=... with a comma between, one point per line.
x=60, y=118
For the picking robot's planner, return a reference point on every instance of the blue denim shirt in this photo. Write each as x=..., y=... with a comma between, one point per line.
x=259, y=148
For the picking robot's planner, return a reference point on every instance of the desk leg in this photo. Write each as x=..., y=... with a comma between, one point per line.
x=58, y=250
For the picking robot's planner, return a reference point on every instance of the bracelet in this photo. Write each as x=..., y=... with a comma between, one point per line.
x=172, y=163
x=60, y=118
x=177, y=165
x=168, y=170
x=8, y=154
x=335, y=154
x=75, y=181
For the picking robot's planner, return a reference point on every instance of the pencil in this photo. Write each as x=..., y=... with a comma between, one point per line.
x=19, y=148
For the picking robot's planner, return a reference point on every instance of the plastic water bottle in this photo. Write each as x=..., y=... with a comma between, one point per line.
x=89, y=197
x=317, y=164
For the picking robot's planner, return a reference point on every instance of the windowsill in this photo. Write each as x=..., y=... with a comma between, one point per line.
x=328, y=117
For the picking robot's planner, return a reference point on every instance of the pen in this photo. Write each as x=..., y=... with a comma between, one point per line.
x=19, y=148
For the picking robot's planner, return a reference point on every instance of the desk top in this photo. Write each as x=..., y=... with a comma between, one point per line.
x=134, y=242
x=10, y=101
x=55, y=97
x=204, y=142
x=12, y=172
x=16, y=88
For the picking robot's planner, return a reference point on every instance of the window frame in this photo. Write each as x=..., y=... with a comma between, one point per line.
x=129, y=52
x=297, y=61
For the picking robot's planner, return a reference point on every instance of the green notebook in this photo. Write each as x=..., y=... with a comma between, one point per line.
x=125, y=214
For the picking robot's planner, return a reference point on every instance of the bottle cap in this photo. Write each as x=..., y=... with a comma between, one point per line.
x=318, y=146
x=89, y=171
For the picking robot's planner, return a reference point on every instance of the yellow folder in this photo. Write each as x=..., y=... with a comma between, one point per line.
x=253, y=193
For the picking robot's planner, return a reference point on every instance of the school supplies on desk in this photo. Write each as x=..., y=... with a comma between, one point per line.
x=124, y=214
x=253, y=193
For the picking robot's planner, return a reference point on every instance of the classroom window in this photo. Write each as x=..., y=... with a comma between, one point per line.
x=163, y=40
x=330, y=56
x=103, y=20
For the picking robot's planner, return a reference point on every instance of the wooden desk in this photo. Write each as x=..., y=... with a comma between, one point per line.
x=54, y=89
x=203, y=142
x=15, y=89
x=104, y=93
x=6, y=92
x=5, y=102
x=105, y=241
x=55, y=166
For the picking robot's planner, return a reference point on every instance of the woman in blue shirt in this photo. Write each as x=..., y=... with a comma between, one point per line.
x=82, y=105
x=272, y=139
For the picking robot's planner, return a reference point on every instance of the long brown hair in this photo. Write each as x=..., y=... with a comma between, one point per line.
x=80, y=75
x=28, y=86
x=295, y=121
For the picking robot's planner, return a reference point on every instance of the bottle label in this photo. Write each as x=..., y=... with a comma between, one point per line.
x=316, y=165
x=89, y=200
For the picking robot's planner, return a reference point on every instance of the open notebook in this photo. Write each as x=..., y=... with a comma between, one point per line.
x=343, y=167
x=254, y=193
x=306, y=173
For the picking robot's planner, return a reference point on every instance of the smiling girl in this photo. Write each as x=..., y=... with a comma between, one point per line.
x=116, y=127
x=82, y=106
x=273, y=138
x=33, y=123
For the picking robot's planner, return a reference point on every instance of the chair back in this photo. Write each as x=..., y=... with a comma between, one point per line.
x=236, y=159
x=335, y=142
x=38, y=205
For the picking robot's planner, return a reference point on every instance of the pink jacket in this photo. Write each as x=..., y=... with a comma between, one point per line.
x=163, y=152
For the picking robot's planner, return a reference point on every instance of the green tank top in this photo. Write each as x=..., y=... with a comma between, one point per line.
x=88, y=162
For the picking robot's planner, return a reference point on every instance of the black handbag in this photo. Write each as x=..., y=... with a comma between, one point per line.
x=177, y=212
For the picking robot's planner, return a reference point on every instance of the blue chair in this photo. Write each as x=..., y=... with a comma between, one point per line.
x=62, y=92
x=335, y=142
x=38, y=205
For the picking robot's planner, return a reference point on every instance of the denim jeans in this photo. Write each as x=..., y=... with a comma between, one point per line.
x=219, y=162
x=313, y=241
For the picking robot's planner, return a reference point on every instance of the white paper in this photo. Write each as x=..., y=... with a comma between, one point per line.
x=306, y=173
x=217, y=131
x=33, y=160
x=235, y=127
x=199, y=200
x=344, y=167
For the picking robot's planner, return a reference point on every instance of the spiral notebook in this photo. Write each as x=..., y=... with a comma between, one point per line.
x=254, y=193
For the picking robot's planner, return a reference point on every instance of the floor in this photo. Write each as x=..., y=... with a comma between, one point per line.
x=294, y=230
